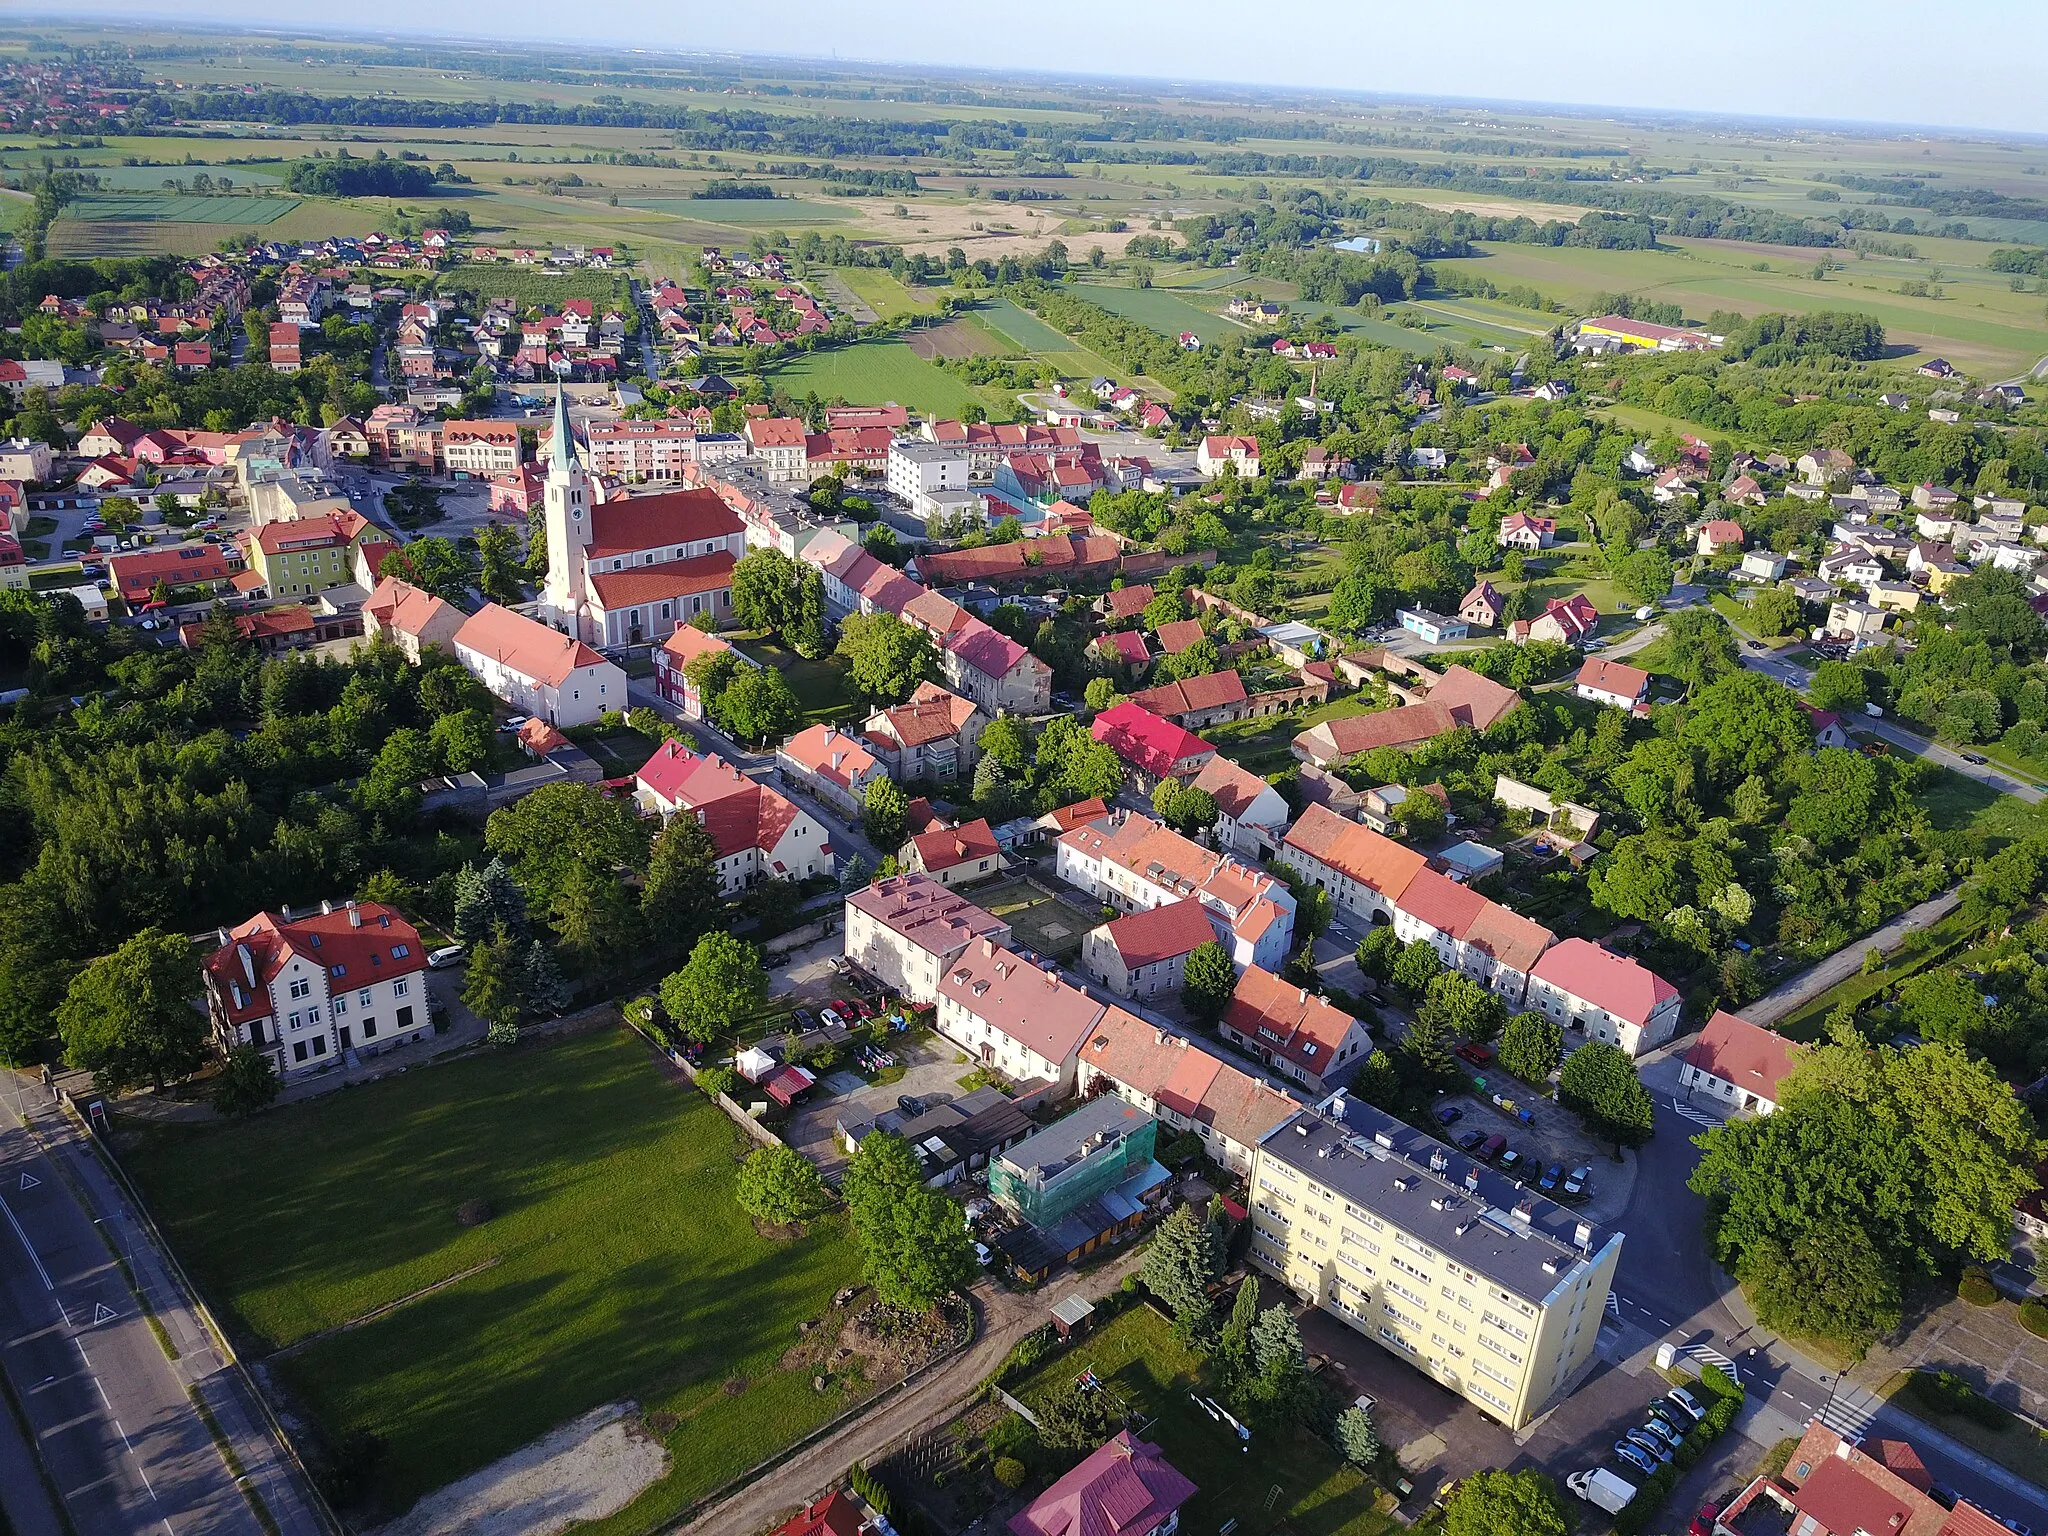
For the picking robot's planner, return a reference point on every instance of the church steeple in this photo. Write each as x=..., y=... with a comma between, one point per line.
x=562, y=449
x=567, y=503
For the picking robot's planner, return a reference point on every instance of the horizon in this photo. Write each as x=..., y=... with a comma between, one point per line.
x=2011, y=106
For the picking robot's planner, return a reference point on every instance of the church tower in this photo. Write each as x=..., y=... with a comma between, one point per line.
x=567, y=509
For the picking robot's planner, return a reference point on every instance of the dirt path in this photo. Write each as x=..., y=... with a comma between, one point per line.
x=1846, y=961
x=1006, y=1318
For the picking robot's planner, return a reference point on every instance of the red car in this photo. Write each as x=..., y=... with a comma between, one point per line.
x=1478, y=1055
x=1703, y=1522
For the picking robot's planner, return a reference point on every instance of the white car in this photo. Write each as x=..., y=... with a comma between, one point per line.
x=446, y=956
x=830, y=1019
x=513, y=723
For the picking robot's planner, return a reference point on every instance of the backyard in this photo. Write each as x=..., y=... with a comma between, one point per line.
x=819, y=686
x=613, y=1265
x=1040, y=921
x=1282, y=1479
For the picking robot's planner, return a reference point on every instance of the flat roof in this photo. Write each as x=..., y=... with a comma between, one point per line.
x=1462, y=1208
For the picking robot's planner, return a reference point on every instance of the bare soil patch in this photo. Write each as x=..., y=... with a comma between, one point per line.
x=953, y=339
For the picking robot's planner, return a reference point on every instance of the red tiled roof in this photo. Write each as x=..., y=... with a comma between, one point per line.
x=1473, y=700
x=1179, y=635
x=1160, y=933
x=1124, y=1488
x=833, y=1515
x=831, y=754
x=933, y=916
x=1231, y=787
x=649, y=522
x=1144, y=739
x=988, y=651
x=1212, y=690
x=1032, y=1006
x=1129, y=646
x=401, y=606
x=1406, y=726
x=641, y=584
x=525, y=645
x=944, y=848
x=689, y=642
x=1742, y=1053
x=1607, y=980
x=932, y=713
x=1180, y=1075
x=1288, y=1020
x=1129, y=602
x=1614, y=677
x=378, y=944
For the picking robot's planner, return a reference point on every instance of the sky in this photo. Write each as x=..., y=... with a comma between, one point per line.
x=1895, y=61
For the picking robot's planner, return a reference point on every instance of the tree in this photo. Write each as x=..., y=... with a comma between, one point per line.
x=1185, y=1259
x=1775, y=611
x=1745, y=723
x=1427, y=1044
x=1072, y=1417
x=1100, y=693
x=1837, y=797
x=500, y=570
x=1600, y=1085
x=885, y=657
x=1354, y=603
x=757, y=706
x=711, y=673
x=1644, y=575
x=881, y=1170
x=1169, y=607
x=721, y=984
x=1377, y=1080
x=1207, y=981
x=884, y=813
x=433, y=564
x=542, y=835
x=1281, y=1363
x=246, y=1082
x=593, y=914
x=128, y=1017
x=1378, y=951
x=680, y=901
x=1531, y=1047
x=780, y=1186
x=1522, y=1503
x=1838, y=685
x=916, y=1248
x=1233, y=1354
x=461, y=742
x=1415, y=967
x=1700, y=646
x=1463, y=1007
x=493, y=986
x=1357, y=1438
x=485, y=899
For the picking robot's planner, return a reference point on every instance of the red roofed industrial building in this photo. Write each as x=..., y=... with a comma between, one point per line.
x=1612, y=998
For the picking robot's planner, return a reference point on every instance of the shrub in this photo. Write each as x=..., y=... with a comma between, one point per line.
x=868, y=1487
x=1977, y=1289
x=1009, y=1472
x=1947, y=1393
x=2034, y=1316
x=473, y=1213
x=1655, y=1490
x=716, y=1080
x=1025, y=1354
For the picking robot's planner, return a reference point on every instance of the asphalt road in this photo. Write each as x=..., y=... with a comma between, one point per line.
x=112, y=1421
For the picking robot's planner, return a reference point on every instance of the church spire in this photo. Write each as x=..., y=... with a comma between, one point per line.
x=562, y=451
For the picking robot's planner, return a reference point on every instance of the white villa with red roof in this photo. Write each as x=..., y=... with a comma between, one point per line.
x=1614, y=683
x=1737, y=1064
x=1294, y=1031
x=631, y=569
x=954, y=855
x=1582, y=986
x=759, y=834
x=308, y=990
x=538, y=670
x=832, y=765
x=1145, y=954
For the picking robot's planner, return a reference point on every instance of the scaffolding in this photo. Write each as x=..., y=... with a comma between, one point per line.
x=1045, y=1177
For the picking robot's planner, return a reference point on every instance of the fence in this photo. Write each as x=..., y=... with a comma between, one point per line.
x=734, y=1111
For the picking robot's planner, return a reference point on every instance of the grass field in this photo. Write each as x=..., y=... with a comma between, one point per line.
x=1165, y=311
x=1284, y=1480
x=875, y=371
x=883, y=293
x=1041, y=923
x=1261, y=745
x=1024, y=329
x=753, y=212
x=526, y=286
x=170, y=207
x=820, y=686
x=620, y=1266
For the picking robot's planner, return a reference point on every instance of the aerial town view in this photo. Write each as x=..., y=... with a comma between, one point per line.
x=865, y=772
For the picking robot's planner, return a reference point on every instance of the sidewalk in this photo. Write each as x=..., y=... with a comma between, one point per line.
x=202, y=1365
x=1847, y=961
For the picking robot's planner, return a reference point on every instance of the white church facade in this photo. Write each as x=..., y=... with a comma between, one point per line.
x=629, y=570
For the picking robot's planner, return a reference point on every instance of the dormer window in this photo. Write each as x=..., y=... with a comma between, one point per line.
x=337, y=970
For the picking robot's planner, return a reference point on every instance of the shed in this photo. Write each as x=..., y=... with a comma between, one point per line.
x=1071, y=1315
x=1465, y=862
x=785, y=1085
x=755, y=1064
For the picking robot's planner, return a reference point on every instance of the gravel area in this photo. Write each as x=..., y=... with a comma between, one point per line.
x=589, y=1468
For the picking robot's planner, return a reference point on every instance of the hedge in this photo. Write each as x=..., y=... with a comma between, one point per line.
x=1946, y=1392
x=2034, y=1316
x=1652, y=1495
x=1977, y=1289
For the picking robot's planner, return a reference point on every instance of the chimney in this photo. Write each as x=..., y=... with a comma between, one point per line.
x=988, y=947
x=1583, y=1237
x=285, y=911
x=1304, y=995
x=355, y=915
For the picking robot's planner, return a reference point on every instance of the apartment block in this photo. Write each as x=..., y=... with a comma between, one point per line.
x=1494, y=1292
x=905, y=931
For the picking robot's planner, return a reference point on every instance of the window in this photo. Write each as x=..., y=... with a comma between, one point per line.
x=298, y=1050
x=401, y=987
x=301, y=986
x=363, y=997
x=337, y=970
x=400, y=951
x=313, y=1015
x=319, y=1045
x=369, y=1029
x=294, y=1021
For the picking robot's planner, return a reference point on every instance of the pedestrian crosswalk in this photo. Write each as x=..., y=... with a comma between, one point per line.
x=1713, y=1357
x=1613, y=1305
x=1698, y=1117
x=1850, y=1413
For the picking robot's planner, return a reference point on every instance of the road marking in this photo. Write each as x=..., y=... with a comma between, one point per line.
x=1712, y=1357
x=1613, y=1305
x=48, y=1284
x=30, y=1181
x=102, y=1313
x=1697, y=1117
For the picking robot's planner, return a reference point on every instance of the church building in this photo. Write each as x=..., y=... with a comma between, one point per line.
x=629, y=570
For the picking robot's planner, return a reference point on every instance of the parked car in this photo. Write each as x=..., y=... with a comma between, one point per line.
x=1649, y=1443
x=1478, y=1055
x=1493, y=1146
x=1657, y=1428
x=1467, y=1140
x=513, y=722
x=1449, y=1114
x=1576, y=1183
x=1640, y=1460
x=446, y=956
x=803, y=1018
x=1552, y=1176
x=1511, y=1161
x=910, y=1104
x=1703, y=1522
x=1679, y=1397
x=1978, y=760
x=831, y=1020
x=1663, y=1410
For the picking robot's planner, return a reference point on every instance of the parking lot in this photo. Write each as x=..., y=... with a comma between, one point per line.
x=931, y=1071
x=1555, y=1140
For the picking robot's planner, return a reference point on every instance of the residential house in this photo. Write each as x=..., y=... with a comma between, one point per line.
x=1461, y=698
x=410, y=618
x=1858, y=623
x=756, y=833
x=672, y=660
x=1125, y=1486
x=934, y=735
x=1614, y=683
x=1294, y=1031
x=302, y=556
x=1014, y=1017
x=1482, y=606
x=907, y=930
x=1239, y=453
x=1610, y=997
x=1183, y=1086
x=309, y=990
x=1154, y=748
x=1195, y=702
x=538, y=670
x=1834, y=1485
x=480, y=449
x=1719, y=534
x=779, y=442
x=1762, y=565
x=138, y=573
x=1934, y=498
x=1523, y=531
x=1133, y=863
x=953, y=855
x=1565, y=620
x=1144, y=954
x=1736, y=1064
x=1827, y=727
x=1251, y=815
x=832, y=765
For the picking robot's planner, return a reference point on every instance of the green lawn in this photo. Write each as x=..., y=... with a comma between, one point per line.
x=1021, y=327
x=1165, y=311
x=1040, y=922
x=820, y=686
x=870, y=372
x=883, y=293
x=1261, y=745
x=1283, y=1480
x=622, y=1267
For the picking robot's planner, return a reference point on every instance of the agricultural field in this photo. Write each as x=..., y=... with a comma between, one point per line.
x=614, y=1264
x=750, y=212
x=174, y=208
x=1165, y=311
x=529, y=287
x=883, y=293
x=1021, y=328
x=875, y=371
x=962, y=337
